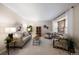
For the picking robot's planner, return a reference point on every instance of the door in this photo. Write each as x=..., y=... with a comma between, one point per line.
x=38, y=30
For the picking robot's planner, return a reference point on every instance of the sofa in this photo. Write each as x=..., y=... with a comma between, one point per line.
x=20, y=39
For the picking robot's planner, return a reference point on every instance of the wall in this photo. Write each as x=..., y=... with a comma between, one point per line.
x=70, y=17
x=76, y=25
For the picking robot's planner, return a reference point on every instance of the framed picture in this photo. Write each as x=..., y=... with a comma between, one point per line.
x=61, y=26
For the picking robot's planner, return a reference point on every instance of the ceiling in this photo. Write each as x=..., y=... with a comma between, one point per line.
x=39, y=11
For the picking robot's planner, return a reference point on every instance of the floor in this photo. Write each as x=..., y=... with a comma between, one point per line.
x=45, y=48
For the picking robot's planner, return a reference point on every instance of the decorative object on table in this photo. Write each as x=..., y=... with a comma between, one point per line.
x=29, y=29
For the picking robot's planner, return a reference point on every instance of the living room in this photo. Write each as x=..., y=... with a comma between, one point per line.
x=38, y=20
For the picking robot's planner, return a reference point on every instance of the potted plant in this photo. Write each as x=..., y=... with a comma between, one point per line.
x=71, y=44
x=29, y=29
x=8, y=40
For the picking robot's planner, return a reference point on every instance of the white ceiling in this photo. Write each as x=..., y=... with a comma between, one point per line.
x=39, y=11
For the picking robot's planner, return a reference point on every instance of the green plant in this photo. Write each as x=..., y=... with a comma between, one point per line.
x=71, y=44
x=8, y=40
x=29, y=28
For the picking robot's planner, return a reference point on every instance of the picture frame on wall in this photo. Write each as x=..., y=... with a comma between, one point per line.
x=61, y=26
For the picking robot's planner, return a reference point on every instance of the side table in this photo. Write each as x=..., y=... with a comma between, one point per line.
x=8, y=46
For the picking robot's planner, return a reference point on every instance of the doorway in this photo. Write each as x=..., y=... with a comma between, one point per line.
x=38, y=30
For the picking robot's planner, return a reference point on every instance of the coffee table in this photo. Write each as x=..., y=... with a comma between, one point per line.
x=36, y=40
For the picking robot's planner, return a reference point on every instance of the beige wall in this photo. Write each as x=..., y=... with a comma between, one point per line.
x=76, y=25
